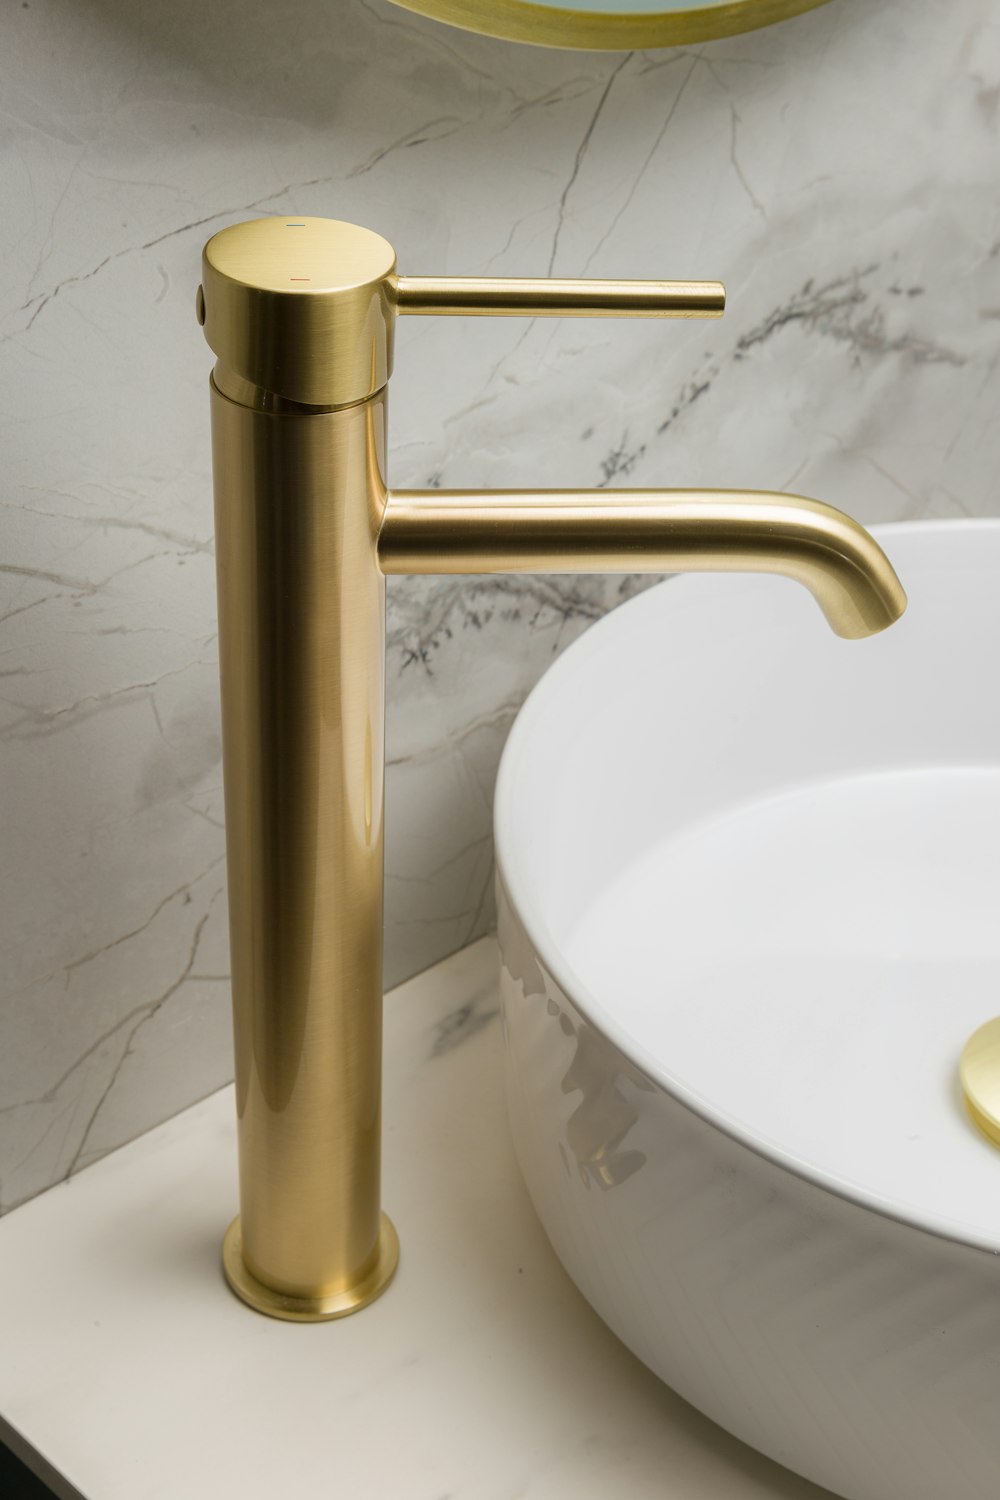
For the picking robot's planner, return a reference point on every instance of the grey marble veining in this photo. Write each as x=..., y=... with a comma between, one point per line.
x=839, y=172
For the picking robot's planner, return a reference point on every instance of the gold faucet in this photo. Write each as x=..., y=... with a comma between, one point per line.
x=300, y=313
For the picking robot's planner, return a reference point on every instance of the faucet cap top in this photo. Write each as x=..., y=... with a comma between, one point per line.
x=300, y=256
x=302, y=307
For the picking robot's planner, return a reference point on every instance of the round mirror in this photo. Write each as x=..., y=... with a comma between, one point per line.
x=610, y=25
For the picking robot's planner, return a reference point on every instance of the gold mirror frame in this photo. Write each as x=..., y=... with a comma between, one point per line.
x=546, y=26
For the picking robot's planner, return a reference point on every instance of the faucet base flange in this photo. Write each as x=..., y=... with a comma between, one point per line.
x=309, y=1309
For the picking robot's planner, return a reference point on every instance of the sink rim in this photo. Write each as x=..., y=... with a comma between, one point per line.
x=593, y=1010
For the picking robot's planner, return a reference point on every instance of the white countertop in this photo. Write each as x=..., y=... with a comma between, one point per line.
x=128, y=1366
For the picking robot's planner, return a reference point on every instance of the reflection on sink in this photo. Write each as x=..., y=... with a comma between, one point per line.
x=748, y=879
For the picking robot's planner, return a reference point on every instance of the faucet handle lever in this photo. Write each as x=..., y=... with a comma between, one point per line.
x=304, y=308
x=506, y=297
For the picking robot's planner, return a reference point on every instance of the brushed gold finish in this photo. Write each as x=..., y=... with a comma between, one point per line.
x=302, y=645
x=301, y=307
x=305, y=531
x=979, y=1072
x=305, y=308
x=647, y=531
x=317, y=1309
x=513, y=297
x=555, y=26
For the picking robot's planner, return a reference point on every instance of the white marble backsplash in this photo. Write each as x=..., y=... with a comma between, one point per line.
x=841, y=172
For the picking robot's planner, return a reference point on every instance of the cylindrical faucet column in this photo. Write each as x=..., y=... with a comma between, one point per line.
x=299, y=495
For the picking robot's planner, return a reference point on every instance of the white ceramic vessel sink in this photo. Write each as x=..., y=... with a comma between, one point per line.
x=750, y=913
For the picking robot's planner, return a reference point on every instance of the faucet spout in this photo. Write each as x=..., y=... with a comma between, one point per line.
x=648, y=531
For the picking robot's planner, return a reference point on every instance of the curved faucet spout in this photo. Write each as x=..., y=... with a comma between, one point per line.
x=647, y=531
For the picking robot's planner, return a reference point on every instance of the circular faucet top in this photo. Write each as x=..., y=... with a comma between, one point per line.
x=301, y=307
x=300, y=255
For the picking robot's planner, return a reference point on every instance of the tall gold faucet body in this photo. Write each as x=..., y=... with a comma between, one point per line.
x=300, y=313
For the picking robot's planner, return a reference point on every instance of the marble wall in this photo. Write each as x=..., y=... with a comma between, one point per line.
x=840, y=172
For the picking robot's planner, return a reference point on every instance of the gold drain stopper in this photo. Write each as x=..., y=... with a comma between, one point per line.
x=979, y=1071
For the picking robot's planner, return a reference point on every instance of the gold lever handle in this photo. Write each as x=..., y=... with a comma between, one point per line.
x=505, y=297
x=304, y=309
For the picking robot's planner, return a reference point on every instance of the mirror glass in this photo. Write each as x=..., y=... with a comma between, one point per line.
x=610, y=25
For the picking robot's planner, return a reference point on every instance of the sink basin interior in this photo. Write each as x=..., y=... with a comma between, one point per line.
x=766, y=863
